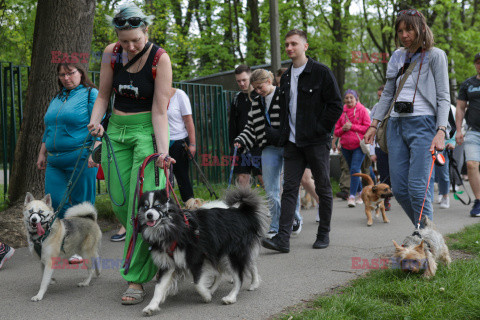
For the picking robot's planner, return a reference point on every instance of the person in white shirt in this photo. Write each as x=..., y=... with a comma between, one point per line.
x=182, y=131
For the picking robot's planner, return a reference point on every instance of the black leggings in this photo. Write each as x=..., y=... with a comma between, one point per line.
x=180, y=168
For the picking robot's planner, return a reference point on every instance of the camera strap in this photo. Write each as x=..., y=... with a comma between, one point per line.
x=400, y=86
x=405, y=76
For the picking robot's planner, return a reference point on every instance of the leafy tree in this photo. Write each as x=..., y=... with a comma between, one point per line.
x=64, y=26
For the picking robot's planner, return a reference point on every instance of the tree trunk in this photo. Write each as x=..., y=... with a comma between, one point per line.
x=255, y=52
x=65, y=26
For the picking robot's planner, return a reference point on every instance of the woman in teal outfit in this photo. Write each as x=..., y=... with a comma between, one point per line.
x=66, y=123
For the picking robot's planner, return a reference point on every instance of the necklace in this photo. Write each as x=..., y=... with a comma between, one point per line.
x=129, y=74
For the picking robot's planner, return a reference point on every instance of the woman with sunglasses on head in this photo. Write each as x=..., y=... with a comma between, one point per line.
x=138, y=127
x=419, y=117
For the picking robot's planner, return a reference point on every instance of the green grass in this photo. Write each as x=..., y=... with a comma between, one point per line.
x=467, y=240
x=3, y=199
x=391, y=294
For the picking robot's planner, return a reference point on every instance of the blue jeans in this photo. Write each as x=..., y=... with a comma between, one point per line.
x=272, y=164
x=354, y=159
x=409, y=158
x=442, y=177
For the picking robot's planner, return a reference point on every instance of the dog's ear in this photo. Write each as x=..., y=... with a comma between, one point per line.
x=28, y=198
x=399, y=248
x=48, y=200
x=420, y=247
x=374, y=189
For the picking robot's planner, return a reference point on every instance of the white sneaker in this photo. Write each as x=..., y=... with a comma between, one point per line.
x=296, y=227
x=439, y=199
x=75, y=259
x=445, y=203
x=358, y=198
x=351, y=201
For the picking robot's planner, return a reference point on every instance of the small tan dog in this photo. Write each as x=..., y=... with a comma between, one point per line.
x=421, y=250
x=306, y=200
x=373, y=197
x=194, y=203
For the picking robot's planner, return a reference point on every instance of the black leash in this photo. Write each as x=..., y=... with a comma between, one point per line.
x=69, y=189
x=110, y=155
x=202, y=175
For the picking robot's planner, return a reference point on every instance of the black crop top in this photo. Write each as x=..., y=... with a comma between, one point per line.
x=134, y=91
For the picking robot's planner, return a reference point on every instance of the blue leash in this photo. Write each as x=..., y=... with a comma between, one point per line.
x=233, y=166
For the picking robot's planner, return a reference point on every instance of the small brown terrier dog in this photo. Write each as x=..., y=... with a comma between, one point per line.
x=373, y=197
x=421, y=251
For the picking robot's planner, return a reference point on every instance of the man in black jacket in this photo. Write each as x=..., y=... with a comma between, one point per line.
x=312, y=104
x=239, y=108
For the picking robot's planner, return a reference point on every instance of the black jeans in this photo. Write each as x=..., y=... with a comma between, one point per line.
x=180, y=168
x=295, y=161
x=382, y=166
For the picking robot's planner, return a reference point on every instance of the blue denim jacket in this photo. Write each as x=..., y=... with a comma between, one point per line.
x=67, y=118
x=433, y=83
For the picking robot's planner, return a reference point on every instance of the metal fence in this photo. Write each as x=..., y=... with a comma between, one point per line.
x=210, y=107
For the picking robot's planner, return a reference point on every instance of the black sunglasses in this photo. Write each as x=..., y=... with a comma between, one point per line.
x=133, y=22
x=410, y=12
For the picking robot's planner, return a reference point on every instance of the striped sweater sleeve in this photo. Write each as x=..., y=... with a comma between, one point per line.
x=247, y=137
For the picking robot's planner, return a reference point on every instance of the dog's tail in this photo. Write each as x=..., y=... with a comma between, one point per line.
x=249, y=202
x=366, y=177
x=82, y=210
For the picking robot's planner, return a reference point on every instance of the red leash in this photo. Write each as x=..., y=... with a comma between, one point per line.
x=440, y=159
x=138, y=193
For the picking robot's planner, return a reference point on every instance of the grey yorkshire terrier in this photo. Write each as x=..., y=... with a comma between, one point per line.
x=422, y=250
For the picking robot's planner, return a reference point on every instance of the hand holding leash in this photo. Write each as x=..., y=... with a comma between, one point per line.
x=164, y=159
x=96, y=130
x=438, y=142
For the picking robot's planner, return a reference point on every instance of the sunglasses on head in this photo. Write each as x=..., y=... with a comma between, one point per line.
x=410, y=12
x=133, y=22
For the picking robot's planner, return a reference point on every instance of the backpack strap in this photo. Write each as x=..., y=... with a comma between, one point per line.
x=158, y=54
x=115, y=54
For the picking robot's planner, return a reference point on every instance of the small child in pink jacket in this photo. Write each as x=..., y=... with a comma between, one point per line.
x=350, y=128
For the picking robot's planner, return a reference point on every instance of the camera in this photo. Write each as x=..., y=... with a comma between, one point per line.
x=403, y=107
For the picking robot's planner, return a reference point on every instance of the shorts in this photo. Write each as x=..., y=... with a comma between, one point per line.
x=472, y=146
x=249, y=163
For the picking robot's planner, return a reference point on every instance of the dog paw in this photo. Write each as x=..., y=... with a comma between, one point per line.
x=228, y=300
x=83, y=284
x=37, y=298
x=386, y=221
x=369, y=223
x=148, y=310
x=254, y=286
x=207, y=299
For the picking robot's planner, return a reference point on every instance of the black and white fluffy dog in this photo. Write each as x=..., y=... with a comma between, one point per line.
x=206, y=242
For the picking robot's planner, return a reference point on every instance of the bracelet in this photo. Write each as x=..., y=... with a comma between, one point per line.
x=444, y=131
x=373, y=127
x=192, y=145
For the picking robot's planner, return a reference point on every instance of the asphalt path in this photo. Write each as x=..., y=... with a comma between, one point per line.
x=287, y=279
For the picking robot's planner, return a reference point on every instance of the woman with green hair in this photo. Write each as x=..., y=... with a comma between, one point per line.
x=137, y=128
